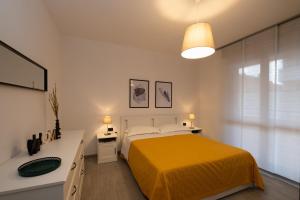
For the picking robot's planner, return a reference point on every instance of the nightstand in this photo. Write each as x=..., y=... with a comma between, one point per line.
x=107, y=147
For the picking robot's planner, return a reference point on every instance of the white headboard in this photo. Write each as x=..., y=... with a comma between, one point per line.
x=148, y=120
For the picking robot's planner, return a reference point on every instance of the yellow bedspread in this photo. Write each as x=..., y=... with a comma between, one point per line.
x=189, y=167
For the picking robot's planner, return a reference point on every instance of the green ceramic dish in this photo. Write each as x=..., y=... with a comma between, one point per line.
x=39, y=166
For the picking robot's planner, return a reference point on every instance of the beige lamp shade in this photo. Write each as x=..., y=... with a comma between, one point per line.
x=107, y=119
x=198, y=41
x=192, y=116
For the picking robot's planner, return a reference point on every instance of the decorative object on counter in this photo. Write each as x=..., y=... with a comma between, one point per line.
x=192, y=117
x=57, y=130
x=33, y=145
x=39, y=166
x=53, y=135
x=37, y=144
x=55, y=107
x=41, y=138
x=29, y=147
x=107, y=120
x=46, y=137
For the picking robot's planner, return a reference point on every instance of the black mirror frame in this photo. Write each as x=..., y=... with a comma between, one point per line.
x=31, y=61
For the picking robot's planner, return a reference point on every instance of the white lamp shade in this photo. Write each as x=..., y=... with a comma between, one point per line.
x=192, y=116
x=107, y=119
x=198, y=41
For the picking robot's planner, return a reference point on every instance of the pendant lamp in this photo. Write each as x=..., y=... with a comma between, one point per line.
x=198, y=41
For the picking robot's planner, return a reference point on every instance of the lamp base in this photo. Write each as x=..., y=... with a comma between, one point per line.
x=192, y=127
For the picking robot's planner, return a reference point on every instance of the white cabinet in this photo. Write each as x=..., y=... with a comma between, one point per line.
x=107, y=147
x=64, y=183
x=72, y=187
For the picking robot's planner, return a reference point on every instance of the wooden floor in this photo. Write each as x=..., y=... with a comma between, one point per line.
x=114, y=181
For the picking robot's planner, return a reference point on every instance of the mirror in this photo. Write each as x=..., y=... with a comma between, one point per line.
x=18, y=70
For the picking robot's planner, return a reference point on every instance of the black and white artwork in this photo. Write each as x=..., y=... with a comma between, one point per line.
x=138, y=93
x=163, y=94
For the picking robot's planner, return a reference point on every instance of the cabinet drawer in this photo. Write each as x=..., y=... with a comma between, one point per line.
x=74, y=190
x=107, y=150
x=82, y=174
x=108, y=144
x=107, y=140
x=74, y=171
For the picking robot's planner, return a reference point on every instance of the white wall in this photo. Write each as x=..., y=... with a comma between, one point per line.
x=96, y=83
x=27, y=27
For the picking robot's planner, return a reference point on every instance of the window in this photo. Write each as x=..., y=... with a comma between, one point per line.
x=262, y=98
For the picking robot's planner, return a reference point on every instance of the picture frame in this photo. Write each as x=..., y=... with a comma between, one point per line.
x=163, y=94
x=138, y=93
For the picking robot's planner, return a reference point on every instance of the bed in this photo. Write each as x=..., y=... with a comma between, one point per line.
x=178, y=165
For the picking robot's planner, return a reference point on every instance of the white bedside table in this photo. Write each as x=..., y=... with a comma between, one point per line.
x=107, y=147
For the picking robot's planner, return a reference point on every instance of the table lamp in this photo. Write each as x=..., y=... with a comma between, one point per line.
x=107, y=120
x=192, y=117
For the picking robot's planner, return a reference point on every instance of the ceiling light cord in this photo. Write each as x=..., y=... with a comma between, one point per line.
x=197, y=2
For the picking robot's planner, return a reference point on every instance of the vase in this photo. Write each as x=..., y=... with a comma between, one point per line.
x=57, y=130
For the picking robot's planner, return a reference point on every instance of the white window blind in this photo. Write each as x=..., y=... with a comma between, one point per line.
x=287, y=104
x=262, y=98
x=231, y=63
x=259, y=51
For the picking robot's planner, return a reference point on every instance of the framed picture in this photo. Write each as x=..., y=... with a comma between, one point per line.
x=163, y=94
x=138, y=93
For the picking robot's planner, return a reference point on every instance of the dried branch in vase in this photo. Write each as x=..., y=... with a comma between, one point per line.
x=54, y=102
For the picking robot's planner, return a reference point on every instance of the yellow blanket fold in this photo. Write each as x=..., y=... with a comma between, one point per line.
x=188, y=167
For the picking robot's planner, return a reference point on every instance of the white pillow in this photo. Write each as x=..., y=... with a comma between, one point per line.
x=167, y=128
x=140, y=130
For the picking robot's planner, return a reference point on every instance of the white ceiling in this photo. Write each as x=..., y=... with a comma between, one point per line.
x=159, y=24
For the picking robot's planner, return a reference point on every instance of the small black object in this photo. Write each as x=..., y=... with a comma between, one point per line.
x=38, y=145
x=39, y=166
x=40, y=138
x=196, y=131
x=105, y=140
x=184, y=123
x=57, y=130
x=29, y=147
x=110, y=129
x=35, y=144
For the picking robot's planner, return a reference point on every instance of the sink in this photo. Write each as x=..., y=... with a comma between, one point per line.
x=39, y=166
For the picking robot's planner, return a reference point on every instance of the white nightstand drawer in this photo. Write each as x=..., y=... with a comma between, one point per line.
x=107, y=154
x=107, y=149
x=107, y=144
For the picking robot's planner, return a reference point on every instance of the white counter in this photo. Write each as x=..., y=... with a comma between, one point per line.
x=65, y=148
